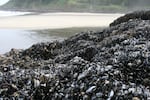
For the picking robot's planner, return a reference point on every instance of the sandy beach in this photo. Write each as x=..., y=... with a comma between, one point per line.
x=57, y=20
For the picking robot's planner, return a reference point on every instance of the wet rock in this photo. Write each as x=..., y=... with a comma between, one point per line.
x=135, y=98
x=99, y=95
x=91, y=89
x=36, y=83
x=112, y=64
x=108, y=67
x=135, y=15
x=111, y=94
x=82, y=75
x=43, y=50
x=8, y=89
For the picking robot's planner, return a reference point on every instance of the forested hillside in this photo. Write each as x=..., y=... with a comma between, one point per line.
x=78, y=5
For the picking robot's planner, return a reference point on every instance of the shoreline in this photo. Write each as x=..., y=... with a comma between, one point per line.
x=57, y=20
x=27, y=38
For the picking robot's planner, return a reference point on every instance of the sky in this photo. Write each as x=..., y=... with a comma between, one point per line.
x=3, y=2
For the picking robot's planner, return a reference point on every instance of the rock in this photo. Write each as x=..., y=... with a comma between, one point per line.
x=99, y=95
x=108, y=67
x=6, y=69
x=82, y=75
x=8, y=89
x=91, y=89
x=135, y=98
x=111, y=94
x=112, y=64
x=134, y=15
x=36, y=83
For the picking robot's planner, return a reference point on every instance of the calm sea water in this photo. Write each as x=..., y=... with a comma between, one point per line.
x=22, y=39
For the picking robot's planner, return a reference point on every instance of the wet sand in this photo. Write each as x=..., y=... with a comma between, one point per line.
x=57, y=21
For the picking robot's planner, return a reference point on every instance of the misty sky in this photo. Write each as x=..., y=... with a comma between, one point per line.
x=3, y=2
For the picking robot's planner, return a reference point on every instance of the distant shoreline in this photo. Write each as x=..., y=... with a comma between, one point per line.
x=60, y=10
x=57, y=21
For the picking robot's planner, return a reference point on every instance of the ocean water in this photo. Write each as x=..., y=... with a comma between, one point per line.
x=22, y=39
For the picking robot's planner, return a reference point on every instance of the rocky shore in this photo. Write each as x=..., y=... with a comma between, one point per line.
x=112, y=64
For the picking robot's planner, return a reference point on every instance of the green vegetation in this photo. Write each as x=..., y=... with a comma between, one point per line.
x=78, y=5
